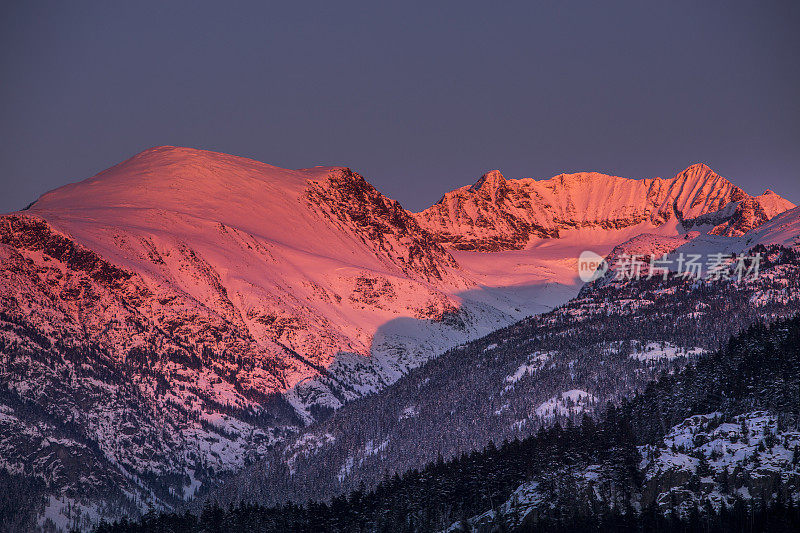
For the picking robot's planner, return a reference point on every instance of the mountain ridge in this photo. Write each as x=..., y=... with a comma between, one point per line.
x=499, y=214
x=205, y=307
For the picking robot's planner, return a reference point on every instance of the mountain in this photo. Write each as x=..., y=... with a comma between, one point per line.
x=602, y=346
x=311, y=269
x=178, y=316
x=713, y=447
x=721, y=433
x=500, y=214
x=783, y=229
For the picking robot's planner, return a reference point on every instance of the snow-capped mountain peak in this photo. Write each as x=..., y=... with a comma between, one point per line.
x=491, y=181
x=500, y=214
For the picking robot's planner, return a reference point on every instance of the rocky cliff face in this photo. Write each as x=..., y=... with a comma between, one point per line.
x=348, y=201
x=499, y=214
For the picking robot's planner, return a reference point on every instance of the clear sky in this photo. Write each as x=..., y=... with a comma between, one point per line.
x=420, y=98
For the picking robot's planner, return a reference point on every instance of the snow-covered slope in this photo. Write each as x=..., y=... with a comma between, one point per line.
x=500, y=214
x=176, y=315
x=706, y=459
x=782, y=230
x=309, y=270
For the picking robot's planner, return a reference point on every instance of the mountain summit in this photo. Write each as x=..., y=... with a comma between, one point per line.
x=499, y=214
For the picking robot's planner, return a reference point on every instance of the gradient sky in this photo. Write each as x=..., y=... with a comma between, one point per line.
x=420, y=98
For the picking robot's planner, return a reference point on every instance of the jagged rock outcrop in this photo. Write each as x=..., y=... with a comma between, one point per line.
x=500, y=214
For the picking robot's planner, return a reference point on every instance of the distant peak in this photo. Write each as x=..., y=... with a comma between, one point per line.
x=767, y=192
x=166, y=149
x=163, y=147
x=702, y=175
x=491, y=180
x=172, y=155
x=697, y=171
x=698, y=167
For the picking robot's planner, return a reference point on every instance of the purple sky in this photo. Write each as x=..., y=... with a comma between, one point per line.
x=420, y=98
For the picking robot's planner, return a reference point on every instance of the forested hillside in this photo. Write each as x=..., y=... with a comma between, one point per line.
x=714, y=447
